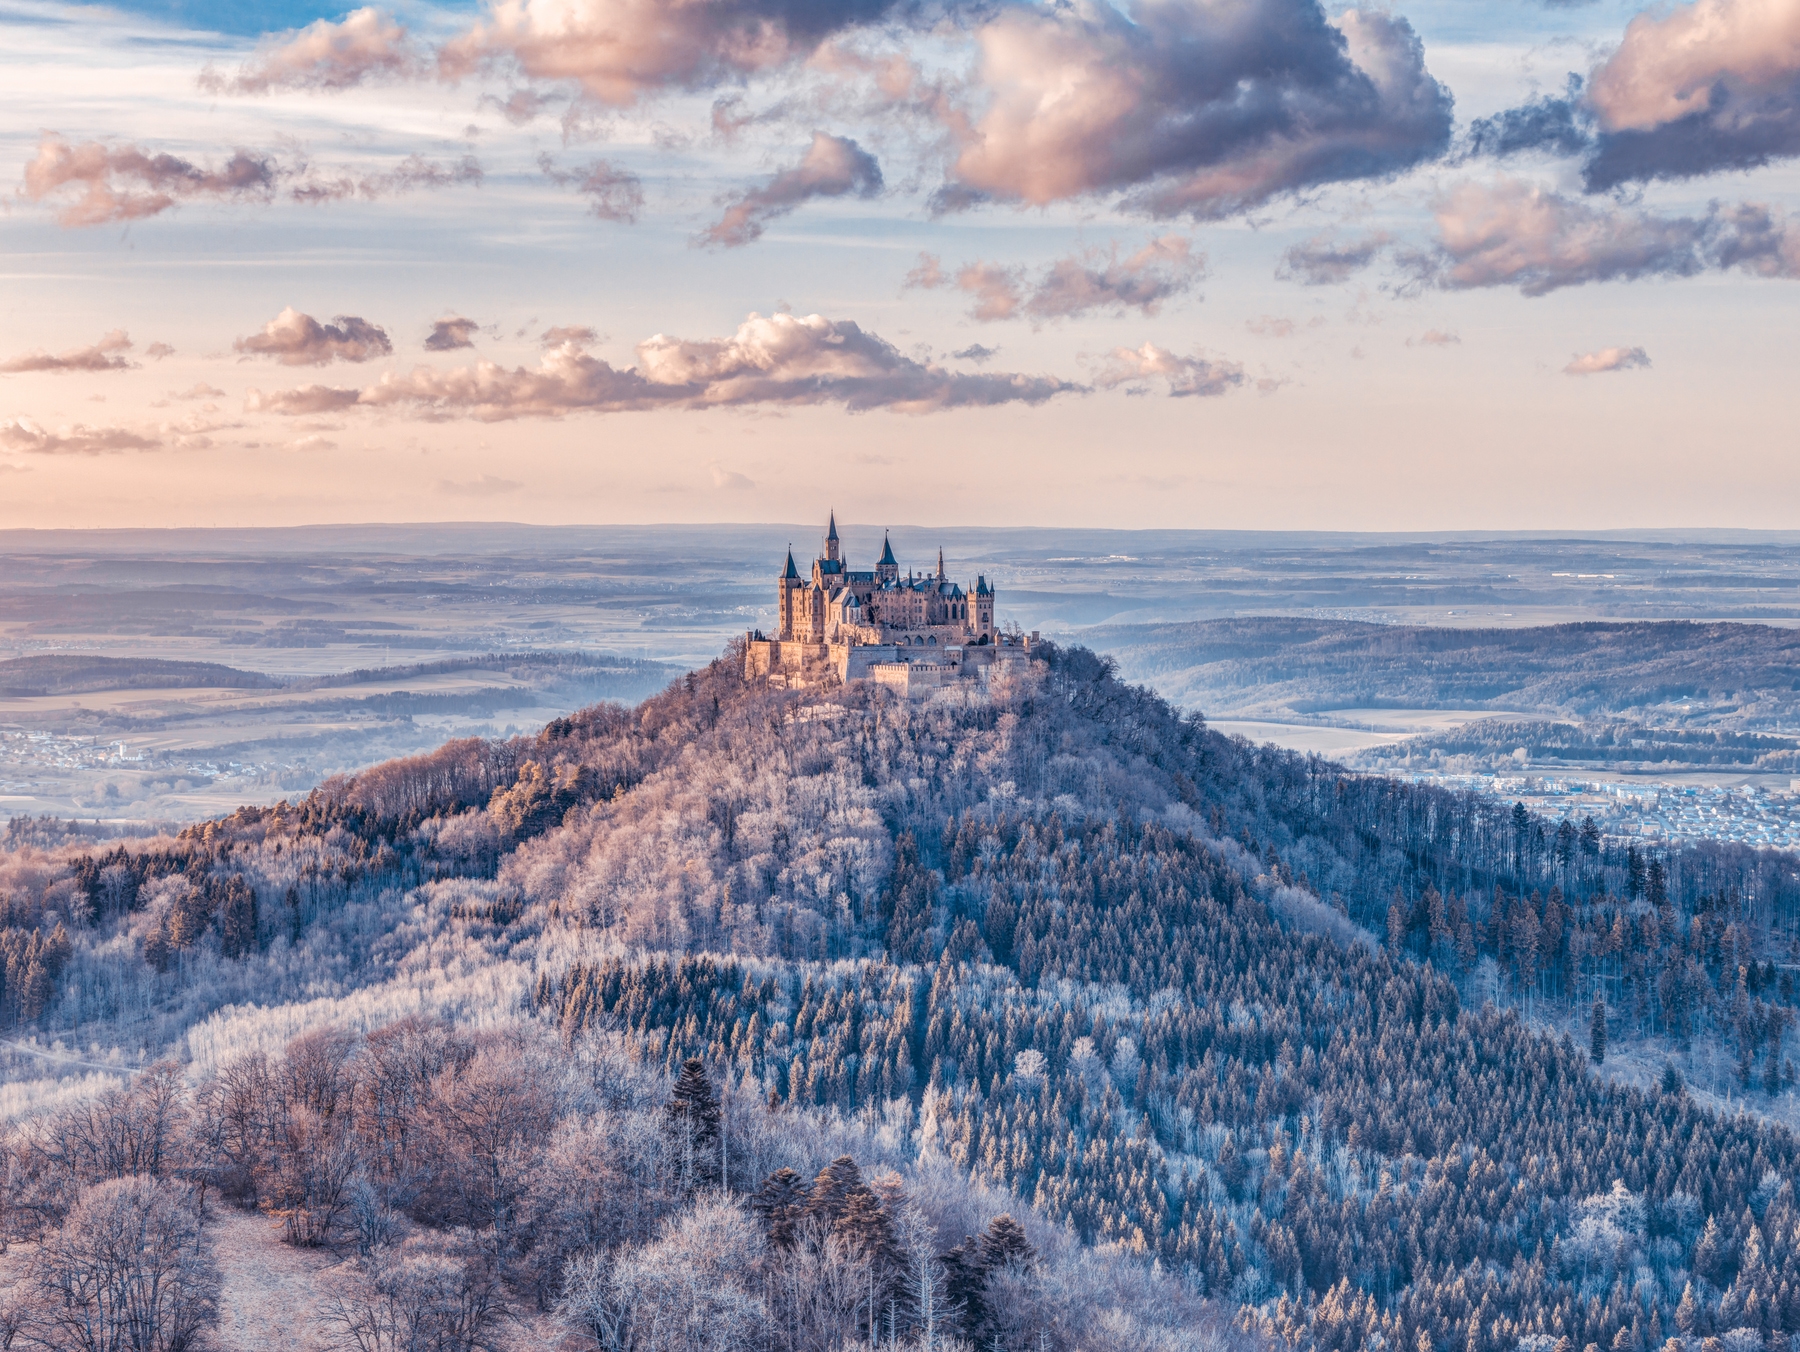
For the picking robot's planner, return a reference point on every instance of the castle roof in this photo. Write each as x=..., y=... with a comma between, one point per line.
x=887, y=552
x=832, y=533
x=833, y=566
x=792, y=571
x=981, y=586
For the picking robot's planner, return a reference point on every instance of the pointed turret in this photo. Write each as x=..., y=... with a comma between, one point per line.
x=887, y=552
x=940, y=563
x=831, y=539
x=888, y=568
x=791, y=571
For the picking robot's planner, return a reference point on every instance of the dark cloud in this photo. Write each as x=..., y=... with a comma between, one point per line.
x=779, y=360
x=976, y=353
x=613, y=194
x=296, y=339
x=106, y=355
x=1323, y=261
x=833, y=166
x=1193, y=108
x=449, y=334
x=1556, y=126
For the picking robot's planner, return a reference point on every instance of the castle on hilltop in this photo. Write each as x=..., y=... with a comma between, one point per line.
x=914, y=632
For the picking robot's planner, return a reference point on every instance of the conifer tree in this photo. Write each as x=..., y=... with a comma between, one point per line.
x=693, y=1124
x=1597, y=1031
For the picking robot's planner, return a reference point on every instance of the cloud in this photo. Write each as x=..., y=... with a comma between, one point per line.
x=24, y=435
x=729, y=480
x=324, y=55
x=201, y=390
x=306, y=399
x=449, y=334
x=1185, y=375
x=125, y=183
x=316, y=187
x=1092, y=280
x=1607, y=359
x=294, y=339
x=833, y=166
x=1322, y=261
x=1269, y=326
x=1434, y=338
x=157, y=351
x=106, y=355
x=487, y=486
x=1512, y=233
x=976, y=353
x=313, y=443
x=98, y=183
x=1194, y=108
x=621, y=51
x=580, y=335
x=1705, y=86
x=778, y=360
x=1558, y=126
x=613, y=194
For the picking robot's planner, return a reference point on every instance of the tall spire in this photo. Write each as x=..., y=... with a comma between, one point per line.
x=832, y=533
x=792, y=571
x=831, y=540
x=887, y=552
x=940, y=563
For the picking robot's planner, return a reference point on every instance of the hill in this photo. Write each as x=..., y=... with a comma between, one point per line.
x=78, y=674
x=1203, y=1021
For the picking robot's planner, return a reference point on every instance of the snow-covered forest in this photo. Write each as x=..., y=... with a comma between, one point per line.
x=1038, y=1015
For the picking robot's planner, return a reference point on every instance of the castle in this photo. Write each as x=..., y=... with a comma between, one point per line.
x=912, y=633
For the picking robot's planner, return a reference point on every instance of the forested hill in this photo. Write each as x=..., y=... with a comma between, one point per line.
x=1191, y=1000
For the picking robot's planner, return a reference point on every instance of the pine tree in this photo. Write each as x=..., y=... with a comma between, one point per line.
x=693, y=1124
x=1597, y=1031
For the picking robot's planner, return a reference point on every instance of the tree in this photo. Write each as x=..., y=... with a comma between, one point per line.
x=1597, y=1031
x=431, y=1293
x=693, y=1125
x=128, y=1269
x=910, y=899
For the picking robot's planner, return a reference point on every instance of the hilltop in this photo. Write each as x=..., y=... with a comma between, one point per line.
x=1205, y=1020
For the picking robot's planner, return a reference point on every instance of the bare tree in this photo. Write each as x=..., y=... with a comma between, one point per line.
x=431, y=1293
x=128, y=1271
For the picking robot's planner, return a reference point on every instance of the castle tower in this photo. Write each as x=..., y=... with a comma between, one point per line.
x=940, y=576
x=831, y=539
x=888, y=569
x=981, y=610
x=787, y=587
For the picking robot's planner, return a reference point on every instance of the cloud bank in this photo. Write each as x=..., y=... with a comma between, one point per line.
x=613, y=194
x=23, y=435
x=780, y=360
x=126, y=183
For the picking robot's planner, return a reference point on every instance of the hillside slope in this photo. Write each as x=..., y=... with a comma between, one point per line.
x=1048, y=948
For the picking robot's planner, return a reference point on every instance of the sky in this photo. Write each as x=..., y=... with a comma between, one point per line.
x=1163, y=263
